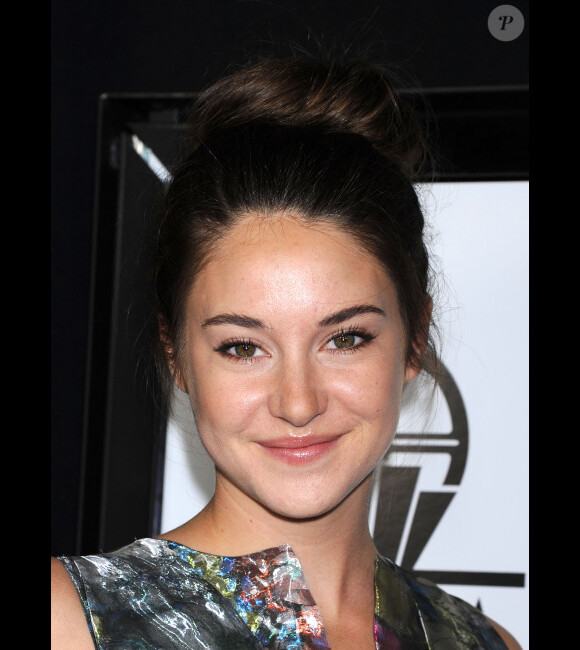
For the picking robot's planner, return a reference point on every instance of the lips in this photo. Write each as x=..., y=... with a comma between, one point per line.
x=298, y=451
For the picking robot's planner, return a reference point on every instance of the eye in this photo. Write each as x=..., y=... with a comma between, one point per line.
x=345, y=341
x=240, y=350
x=243, y=350
x=349, y=340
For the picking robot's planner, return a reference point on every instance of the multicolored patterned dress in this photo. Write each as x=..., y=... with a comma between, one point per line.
x=159, y=594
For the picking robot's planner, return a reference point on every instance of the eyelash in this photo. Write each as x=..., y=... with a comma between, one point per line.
x=360, y=332
x=226, y=345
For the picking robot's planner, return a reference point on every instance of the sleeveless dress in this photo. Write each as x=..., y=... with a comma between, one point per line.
x=156, y=593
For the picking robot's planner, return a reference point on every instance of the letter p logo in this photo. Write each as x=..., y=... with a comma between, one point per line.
x=505, y=23
x=505, y=20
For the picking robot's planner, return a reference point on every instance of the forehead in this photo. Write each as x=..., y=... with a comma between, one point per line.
x=280, y=262
x=286, y=235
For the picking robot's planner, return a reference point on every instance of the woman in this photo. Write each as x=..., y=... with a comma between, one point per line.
x=294, y=307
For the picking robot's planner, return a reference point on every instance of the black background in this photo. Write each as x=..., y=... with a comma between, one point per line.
x=182, y=46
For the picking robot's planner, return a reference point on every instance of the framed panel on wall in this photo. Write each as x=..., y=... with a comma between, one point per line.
x=450, y=498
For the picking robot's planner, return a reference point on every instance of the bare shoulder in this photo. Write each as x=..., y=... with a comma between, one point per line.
x=69, y=629
x=508, y=639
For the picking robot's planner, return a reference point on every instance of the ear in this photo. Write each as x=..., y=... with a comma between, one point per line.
x=170, y=355
x=415, y=362
x=411, y=371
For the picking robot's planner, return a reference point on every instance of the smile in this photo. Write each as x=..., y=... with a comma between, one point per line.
x=299, y=451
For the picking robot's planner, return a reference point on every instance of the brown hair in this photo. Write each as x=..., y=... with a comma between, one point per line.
x=337, y=143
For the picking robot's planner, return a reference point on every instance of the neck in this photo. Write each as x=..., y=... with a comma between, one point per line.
x=335, y=550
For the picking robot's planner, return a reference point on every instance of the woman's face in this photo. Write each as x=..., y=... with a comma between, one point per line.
x=294, y=362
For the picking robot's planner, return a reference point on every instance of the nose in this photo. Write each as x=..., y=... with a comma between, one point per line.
x=297, y=393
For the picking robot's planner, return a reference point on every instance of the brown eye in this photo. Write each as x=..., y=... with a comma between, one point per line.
x=240, y=351
x=344, y=341
x=245, y=350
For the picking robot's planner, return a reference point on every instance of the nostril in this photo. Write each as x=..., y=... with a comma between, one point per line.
x=297, y=395
x=298, y=411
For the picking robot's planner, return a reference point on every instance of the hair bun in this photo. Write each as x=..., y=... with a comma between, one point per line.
x=356, y=97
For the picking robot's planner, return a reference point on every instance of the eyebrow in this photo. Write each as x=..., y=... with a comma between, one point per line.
x=350, y=312
x=333, y=319
x=234, y=319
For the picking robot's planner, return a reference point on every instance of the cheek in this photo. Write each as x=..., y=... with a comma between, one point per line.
x=223, y=405
x=372, y=392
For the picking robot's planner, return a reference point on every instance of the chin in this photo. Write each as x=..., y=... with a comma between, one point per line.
x=309, y=505
x=308, y=512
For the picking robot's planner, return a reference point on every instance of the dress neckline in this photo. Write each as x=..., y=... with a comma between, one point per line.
x=268, y=590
